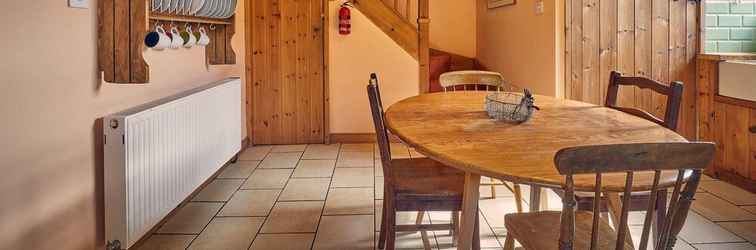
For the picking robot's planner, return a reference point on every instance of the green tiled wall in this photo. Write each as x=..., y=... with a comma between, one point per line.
x=730, y=27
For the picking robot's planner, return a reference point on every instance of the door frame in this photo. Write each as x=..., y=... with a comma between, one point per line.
x=248, y=38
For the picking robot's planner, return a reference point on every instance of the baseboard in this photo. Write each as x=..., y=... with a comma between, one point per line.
x=357, y=138
x=735, y=179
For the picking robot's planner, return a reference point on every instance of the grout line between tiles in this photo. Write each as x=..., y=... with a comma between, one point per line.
x=274, y=203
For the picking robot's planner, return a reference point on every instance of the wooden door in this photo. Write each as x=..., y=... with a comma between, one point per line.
x=287, y=86
x=656, y=39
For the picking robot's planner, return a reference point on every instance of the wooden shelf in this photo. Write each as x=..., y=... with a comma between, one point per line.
x=727, y=56
x=190, y=19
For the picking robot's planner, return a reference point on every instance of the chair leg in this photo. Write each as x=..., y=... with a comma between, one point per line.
x=518, y=197
x=455, y=227
x=509, y=242
x=476, y=233
x=390, y=226
x=384, y=226
x=661, y=214
x=423, y=233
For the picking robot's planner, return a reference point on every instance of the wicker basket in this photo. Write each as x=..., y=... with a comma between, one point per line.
x=508, y=106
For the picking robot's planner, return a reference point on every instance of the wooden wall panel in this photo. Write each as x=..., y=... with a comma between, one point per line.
x=728, y=123
x=648, y=38
x=288, y=92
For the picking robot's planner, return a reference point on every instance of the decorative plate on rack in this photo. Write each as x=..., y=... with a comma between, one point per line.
x=231, y=10
x=165, y=5
x=195, y=7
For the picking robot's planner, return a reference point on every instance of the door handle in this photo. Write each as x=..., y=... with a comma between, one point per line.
x=753, y=130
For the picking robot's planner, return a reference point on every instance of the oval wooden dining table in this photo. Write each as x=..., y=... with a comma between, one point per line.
x=454, y=129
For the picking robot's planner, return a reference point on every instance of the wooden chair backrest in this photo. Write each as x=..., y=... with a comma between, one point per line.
x=673, y=92
x=471, y=80
x=687, y=158
x=376, y=108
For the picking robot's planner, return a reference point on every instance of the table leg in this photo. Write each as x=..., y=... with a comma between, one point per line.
x=538, y=198
x=469, y=211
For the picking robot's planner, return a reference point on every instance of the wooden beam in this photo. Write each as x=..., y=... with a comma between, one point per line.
x=423, y=41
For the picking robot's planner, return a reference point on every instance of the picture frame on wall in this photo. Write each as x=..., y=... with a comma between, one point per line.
x=498, y=3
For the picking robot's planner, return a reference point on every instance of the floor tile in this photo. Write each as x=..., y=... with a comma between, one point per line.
x=345, y=232
x=729, y=192
x=412, y=241
x=402, y=218
x=398, y=151
x=363, y=147
x=378, y=167
x=283, y=242
x=239, y=170
x=349, y=201
x=487, y=237
x=716, y=209
x=726, y=246
x=379, y=188
x=353, y=177
x=314, y=169
x=355, y=159
x=321, y=152
x=698, y=229
x=219, y=190
x=250, y=203
x=494, y=210
x=281, y=160
x=288, y=148
x=268, y=179
x=415, y=154
x=191, y=218
x=310, y=189
x=167, y=242
x=745, y=229
x=256, y=153
x=751, y=209
x=294, y=217
x=232, y=233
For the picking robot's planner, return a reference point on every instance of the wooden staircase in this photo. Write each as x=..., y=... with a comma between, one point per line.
x=407, y=23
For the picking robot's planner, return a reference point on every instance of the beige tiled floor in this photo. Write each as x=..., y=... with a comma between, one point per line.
x=329, y=197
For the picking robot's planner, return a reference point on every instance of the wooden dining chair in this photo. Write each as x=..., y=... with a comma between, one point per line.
x=418, y=184
x=673, y=93
x=486, y=81
x=571, y=229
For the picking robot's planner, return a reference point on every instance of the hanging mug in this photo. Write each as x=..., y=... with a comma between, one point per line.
x=176, y=41
x=157, y=39
x=204, y=40
x=189, y=39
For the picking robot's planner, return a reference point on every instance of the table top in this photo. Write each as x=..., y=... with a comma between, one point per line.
x=454, y=129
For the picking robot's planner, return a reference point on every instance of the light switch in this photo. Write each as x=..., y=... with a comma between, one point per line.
x=539, y=8
x=82, y=4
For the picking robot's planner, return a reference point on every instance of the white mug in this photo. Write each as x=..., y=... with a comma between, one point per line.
x=204, y=40
x=190, y=39
x=176, y=41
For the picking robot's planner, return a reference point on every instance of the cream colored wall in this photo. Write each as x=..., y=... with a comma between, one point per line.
x=50, y=96
x=524, y=46
x=453, y=25
x=351, y=60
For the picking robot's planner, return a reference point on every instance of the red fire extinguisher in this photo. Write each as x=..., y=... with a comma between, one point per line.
x=345, y=23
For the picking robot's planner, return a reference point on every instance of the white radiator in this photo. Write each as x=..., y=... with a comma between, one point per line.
x=157, y=154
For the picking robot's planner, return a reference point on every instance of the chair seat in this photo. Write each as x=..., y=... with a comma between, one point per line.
x=540, y=230
x=426, y=184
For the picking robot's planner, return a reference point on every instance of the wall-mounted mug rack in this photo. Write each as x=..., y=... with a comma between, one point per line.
x=123, y=25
